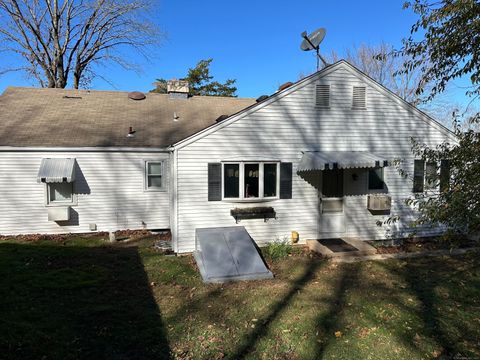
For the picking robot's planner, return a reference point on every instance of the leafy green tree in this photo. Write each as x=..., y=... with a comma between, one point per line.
x=444, y=45
x=454, y=197
x=201, y=82
x=449, y=44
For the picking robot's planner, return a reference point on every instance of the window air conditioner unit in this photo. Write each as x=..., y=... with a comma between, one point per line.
x=59, y=213
x=379, y=202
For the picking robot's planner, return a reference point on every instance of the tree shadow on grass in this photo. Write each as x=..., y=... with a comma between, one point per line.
x=329, y=322
x=427, y=279
x=250, y=340
x=77, y=302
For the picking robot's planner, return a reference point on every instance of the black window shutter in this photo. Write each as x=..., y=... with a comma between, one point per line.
x=444, y=175
x=214, y=181
x=285, y=180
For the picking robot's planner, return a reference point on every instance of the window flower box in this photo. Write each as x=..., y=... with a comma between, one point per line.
x=260, y=212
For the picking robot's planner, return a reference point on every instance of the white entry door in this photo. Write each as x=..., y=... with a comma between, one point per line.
x=332, y=204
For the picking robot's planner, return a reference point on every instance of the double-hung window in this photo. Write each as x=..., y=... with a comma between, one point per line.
x=426, y=177
x=251, y=180
x=155, y=175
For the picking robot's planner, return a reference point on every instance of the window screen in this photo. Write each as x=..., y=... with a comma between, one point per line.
x=60, y=192
x=431, y=175
x=332, y=183
x=154, y=174
x=375, y=179
x=269, y=180
x=251, y=177
x=231, y=177
x=332, y=206
x=418, y=175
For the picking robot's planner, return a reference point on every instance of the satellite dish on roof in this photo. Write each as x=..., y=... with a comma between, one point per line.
x=314, y=38
x=312, y=42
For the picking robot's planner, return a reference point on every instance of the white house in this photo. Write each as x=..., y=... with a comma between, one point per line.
x=307, y=158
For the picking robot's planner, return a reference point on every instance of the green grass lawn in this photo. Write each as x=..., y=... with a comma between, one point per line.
x=83, y=298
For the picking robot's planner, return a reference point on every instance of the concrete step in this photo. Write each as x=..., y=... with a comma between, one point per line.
x=364, y=249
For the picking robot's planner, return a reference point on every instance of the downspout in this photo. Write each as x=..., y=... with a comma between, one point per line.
x=174, y=198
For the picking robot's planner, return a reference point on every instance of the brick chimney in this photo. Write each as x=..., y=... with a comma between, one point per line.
x=178, y=89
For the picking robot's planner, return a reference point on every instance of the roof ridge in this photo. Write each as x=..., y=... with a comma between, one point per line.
x=33, y=88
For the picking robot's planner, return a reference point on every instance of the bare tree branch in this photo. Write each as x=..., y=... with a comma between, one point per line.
x=61, y=41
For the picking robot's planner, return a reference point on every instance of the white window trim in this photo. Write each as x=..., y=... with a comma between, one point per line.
x=163, y=188
x=241, y=190
x=72, y=202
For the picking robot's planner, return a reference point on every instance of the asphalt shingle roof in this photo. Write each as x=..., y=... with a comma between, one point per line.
x=82, y=118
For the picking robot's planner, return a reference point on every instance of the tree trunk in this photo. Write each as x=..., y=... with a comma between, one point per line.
x=76, y=78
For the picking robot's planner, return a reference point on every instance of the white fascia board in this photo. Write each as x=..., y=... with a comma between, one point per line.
x=253, y=108
x=82, y=149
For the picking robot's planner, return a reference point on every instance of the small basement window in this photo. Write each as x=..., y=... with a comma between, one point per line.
x=251, y=180
x=60, y=193
x=154, y=175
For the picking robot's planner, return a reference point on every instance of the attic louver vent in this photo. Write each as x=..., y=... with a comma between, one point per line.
x=322, y=96
x=359, y=97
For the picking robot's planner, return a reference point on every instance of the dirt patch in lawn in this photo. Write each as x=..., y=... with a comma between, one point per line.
x=419, y=244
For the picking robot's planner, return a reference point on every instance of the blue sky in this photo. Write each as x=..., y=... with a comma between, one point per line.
x=255, y=42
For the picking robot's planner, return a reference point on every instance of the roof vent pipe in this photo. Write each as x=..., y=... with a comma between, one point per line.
x=221, y=118
x=136, y=95
x=131, y=132
x=262, y=98
x=284, y=86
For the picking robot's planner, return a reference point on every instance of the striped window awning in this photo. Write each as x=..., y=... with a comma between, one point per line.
x=56, y=170
x=324, y=160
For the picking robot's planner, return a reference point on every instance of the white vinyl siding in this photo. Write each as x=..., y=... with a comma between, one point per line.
x=281, y=130
x=109, y=191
